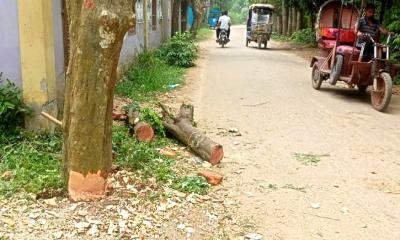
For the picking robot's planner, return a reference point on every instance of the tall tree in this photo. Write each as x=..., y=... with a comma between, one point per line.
x=198, y=7
x=97, y=29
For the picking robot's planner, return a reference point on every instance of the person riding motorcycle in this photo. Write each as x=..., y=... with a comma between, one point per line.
x=368, y=25
x=224, y=23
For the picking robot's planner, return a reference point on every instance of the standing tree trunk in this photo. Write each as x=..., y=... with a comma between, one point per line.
x=299, y=20
x=279, y=25
x=294, y=19
x=96, y=32
x=175, y=17
x=284, y=17
x=289, y=28
x=198, y=8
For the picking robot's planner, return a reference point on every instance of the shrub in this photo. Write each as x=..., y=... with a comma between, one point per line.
x=12, y=108
x=180, y=50
x=305, y=36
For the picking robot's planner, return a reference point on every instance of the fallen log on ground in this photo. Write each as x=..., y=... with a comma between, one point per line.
x=143, y=131
x=181, y=127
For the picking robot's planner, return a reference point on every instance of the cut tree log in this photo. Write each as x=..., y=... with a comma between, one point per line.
x=142, y=130
x=181, y=127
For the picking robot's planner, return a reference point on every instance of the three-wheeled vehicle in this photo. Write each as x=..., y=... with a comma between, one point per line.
x=259, y=24
x=342, y=60
x=213, y=18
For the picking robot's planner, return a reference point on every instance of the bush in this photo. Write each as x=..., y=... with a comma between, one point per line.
x=304, y=36
x=12, y=108
x=180, y=50
x=148, y=76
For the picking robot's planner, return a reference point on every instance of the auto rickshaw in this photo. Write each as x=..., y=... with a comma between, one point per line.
x=259, y=24
x=213, y=18
x=342, y=60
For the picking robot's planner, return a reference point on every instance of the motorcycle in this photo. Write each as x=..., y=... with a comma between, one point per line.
x=223, y=38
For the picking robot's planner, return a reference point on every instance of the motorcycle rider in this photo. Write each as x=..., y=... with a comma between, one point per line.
x=371, y=26
x=224, y=23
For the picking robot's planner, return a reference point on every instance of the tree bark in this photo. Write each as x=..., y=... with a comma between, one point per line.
x=284, y=17
x=181, y=127
x=96, y=32
x=279, y=24
x=198, y=8
x=294, y=20
x=299, y=20
x=289, y=28
x=175, y=17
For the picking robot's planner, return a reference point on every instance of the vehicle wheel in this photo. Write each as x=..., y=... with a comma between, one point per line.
x=316, y=77
x=265, y=44
x=362, y=88
x=381, y=96
x=259, y=42
x=337, y=69
x=223, y=45
x=247, y=42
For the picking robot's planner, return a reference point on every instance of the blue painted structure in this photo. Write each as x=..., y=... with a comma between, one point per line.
x=190, y=16
x=213, y=17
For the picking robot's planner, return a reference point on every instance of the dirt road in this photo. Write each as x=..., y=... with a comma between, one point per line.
x=309, y=164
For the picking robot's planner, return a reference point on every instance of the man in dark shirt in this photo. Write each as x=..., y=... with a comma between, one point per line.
x=371, y=26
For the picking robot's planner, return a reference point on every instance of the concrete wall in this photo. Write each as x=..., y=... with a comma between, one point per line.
x=10, y=62
x=59, y=51
x=134, y=43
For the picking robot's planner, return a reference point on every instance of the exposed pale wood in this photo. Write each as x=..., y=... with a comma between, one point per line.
x=51, y=118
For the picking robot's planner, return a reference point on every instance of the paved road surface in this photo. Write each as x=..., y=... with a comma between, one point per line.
x=353, y=192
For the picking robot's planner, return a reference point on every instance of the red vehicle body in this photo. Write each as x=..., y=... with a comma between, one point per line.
x=341, y=60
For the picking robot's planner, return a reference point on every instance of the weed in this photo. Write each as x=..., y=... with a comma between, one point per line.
x=309, y=158
x=12, y=108
x=193, y=184
x=180, y=50
x=147, y=77
x=30, y=162
x=273, y=186
x=291, y=186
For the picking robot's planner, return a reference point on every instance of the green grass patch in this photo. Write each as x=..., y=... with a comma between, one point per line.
x=192, y=184
x=30, y=162
x=148, y=77
x=145, y=158
x=204, y=33
x=305, y=37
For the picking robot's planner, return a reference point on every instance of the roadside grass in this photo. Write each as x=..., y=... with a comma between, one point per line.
x=148, y=77
x=30, y=162
x=204, y=33
x=146, y=159
x=304, y=37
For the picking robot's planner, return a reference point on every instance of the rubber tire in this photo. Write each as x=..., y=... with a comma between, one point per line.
x=247, y=42
x=223, y=45
x=337, y=69
x=316, y=80
x=265, y=44
x=380, y=103
x=259, y=42
x=362, y=88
